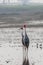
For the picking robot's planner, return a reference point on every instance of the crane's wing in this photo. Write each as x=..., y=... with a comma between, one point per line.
x=26, y=40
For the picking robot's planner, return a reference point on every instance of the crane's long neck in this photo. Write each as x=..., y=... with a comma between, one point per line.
x=24, y=31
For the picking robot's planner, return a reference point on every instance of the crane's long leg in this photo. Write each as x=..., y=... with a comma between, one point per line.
x=24, y=52
x=25, y=56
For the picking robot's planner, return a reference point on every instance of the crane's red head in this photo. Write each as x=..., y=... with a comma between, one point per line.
x=24, y=26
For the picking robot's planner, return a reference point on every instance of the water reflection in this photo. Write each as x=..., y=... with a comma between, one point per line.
x=26, y=62
x=25, y=56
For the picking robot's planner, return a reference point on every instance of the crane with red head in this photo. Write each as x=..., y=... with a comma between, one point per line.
x=25, y=38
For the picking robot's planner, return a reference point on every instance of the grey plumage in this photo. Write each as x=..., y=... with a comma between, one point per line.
x=25, y=39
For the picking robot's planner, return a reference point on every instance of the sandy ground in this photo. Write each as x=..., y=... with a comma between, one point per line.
x=11, y=50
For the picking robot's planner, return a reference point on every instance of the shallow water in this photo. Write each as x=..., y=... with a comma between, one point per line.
x=11, y=49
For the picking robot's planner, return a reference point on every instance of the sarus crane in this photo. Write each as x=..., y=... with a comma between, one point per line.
x=25, y=42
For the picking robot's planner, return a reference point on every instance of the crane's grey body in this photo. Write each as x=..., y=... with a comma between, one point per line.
x=25, y=39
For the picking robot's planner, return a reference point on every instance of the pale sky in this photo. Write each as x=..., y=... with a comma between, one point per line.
x=35, y=1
